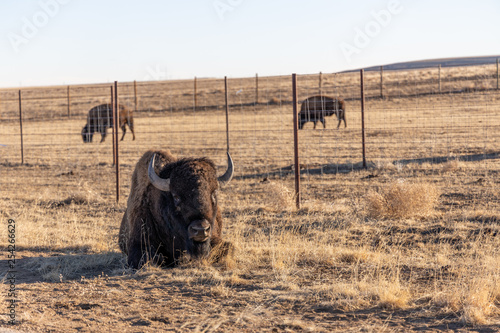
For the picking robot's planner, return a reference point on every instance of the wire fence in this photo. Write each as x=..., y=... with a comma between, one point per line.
x=420, y=116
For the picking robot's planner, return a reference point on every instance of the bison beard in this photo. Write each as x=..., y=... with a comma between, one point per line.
x=172, y=211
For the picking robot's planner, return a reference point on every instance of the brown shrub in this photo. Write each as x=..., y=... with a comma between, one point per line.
x=401, y=199
x=280, y=198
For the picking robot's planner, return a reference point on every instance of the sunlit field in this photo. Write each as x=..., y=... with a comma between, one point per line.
x=411, y=243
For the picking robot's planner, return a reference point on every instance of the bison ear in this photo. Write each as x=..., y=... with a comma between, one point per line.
x=228, y=175
x=159, y=183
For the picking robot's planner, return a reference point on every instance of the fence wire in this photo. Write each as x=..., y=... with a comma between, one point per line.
x=418, y=119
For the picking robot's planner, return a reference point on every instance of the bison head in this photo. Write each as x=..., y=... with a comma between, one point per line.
x=86, y=134
x=191, y=197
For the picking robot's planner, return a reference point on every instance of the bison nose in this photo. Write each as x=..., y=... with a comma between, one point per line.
x=199, y=231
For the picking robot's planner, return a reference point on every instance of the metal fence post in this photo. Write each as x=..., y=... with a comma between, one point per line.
x=69, y=103
x=382, y=82
x=320, y=85
x=195, y=93
x=117, y=164
x=21, y=126
x=497, y=74
x=256, y=88
x=135, y=96
x=227, y=111
x=112, y=127
x=439, y=74
x=363, y=116
x=296, y=141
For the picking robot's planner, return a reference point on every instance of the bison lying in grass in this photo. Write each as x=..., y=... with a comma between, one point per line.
x=100, y=118
x=172, y=211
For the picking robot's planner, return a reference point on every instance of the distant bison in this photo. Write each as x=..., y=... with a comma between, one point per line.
x=173, y=210
x=100, y=118
x=316, y=108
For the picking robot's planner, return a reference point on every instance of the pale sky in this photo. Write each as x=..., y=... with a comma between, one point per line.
x=53, y=42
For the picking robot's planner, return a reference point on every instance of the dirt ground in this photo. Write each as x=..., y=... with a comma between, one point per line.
x=161, y=301
x=410, y=244
x=317, y=269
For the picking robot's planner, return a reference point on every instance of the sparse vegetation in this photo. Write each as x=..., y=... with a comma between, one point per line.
x=410, y=244
x=401, y=199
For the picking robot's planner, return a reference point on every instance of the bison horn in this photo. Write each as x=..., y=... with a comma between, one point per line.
x=228, y=175
x=159, y=183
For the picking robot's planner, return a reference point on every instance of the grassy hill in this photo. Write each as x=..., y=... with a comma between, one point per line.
x=444, y=62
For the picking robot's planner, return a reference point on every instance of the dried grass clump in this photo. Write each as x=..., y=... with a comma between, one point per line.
x=279, y=197
x=476, y=301
x=274, y=101
x=480, y=301
x=392, y=295
x=401, y=199
x=451, y=165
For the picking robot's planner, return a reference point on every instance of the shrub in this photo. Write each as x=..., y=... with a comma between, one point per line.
x=401, y=199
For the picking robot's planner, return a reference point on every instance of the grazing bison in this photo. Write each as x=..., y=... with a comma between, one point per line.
x=100, y=118
x=316, y=108
x=172, y=210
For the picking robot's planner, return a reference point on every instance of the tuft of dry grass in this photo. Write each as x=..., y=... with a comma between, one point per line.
x=402, y=199
x=274, y=100
x=392, y=295
x=280, y=197
x=475, y=302
x=452, y=165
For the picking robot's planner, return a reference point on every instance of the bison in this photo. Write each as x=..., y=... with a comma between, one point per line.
x=172, y=210
x=316, y=108
x=100, y=118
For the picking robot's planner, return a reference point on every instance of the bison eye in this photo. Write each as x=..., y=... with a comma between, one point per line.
x=177, y=199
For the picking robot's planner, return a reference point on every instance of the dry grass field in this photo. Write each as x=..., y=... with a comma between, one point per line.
x=412, y=243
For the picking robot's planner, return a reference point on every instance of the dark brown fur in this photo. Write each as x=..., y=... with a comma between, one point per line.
x=154, y=227
x=100, y=118
x=316, y=108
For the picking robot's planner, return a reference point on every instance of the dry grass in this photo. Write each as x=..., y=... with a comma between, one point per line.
x=401, y=199
x=325, y=257
x=279, y=197
x=452, y=165
x=364, y=252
